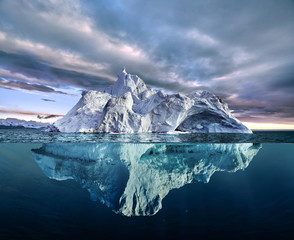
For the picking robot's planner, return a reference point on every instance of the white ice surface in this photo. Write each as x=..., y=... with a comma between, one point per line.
x=129, y=106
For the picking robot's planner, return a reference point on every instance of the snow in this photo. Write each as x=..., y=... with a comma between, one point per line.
x=129, y=106
x=133, y=179
x=14, y=122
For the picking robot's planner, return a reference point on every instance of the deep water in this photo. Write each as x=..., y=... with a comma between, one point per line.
x=184, y=189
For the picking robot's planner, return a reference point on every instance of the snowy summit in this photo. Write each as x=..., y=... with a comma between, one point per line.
x=129, y=106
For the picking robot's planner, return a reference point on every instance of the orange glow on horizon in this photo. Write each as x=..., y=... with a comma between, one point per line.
x=268, y=126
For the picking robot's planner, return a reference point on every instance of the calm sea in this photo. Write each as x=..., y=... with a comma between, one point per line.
x=146, y=186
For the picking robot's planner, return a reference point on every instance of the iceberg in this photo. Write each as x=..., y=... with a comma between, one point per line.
x=133, y=179
x=18, y=123
x=129, y=106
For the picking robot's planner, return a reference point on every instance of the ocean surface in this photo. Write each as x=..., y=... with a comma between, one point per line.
x=146, y=186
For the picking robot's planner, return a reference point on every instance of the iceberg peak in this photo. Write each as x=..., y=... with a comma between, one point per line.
x=122, y=73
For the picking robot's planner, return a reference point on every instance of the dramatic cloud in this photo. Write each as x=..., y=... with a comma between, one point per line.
x=45, y=115
x=48, y=100
x=15, y=85
x=241, y=50
x=31, y=68
x=48, y=116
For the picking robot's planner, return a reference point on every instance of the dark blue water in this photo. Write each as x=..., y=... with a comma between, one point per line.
x=161, y=190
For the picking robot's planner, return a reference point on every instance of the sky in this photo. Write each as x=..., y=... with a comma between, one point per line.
x=242, y=51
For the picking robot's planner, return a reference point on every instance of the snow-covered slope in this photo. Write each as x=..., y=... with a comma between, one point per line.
x=133, y=179
x=14, y=122
x=129, y=106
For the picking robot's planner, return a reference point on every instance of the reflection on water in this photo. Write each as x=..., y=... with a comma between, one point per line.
x=133, y=179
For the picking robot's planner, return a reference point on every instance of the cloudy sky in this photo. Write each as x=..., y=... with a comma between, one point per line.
x=242, y=51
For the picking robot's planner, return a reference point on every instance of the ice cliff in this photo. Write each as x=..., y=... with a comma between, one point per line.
x=133, y=179
x=129, y=106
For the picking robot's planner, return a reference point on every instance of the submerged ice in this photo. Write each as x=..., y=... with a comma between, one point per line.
x=133, y=179
x=129, y=106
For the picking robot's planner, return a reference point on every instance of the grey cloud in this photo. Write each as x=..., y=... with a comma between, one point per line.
x=250, y=40
x=33, y=67
x=48, y=100
x=12, y=84
x=48, y=116
x=28, y=113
